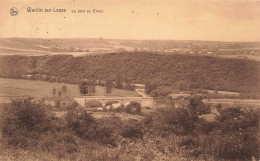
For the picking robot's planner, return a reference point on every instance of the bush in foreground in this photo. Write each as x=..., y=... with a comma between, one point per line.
x=132, y=129
x=25, y=120
x=233, y=136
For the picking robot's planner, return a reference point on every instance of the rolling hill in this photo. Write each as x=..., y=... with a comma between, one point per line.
x=190, y=71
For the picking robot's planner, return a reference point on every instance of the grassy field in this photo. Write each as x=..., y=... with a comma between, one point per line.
x=253, y=102
x=10, y=88
x=224, y=92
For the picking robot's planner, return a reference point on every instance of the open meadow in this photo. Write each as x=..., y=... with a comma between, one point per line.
x=11, y=88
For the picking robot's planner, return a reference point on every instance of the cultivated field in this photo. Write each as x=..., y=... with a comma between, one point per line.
x=11, y=88
x=39, y=47
x=81, y=47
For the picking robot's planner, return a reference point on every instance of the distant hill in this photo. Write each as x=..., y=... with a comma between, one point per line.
x=185, y=70
x=92, y=46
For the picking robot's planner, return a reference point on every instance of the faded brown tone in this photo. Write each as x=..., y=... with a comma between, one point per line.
x=222, y=20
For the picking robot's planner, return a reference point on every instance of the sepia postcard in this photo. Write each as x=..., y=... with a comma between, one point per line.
x=136, y=80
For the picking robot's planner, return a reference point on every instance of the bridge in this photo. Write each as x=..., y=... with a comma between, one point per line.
x=144, y=101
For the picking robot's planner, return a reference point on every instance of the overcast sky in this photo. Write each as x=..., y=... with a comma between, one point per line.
x=221, y=20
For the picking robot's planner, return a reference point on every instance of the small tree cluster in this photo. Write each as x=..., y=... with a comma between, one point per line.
x=149, y=87
x=197, y=107
x=87, y=87
x=109, y=86
x=61, y=92
x=133, y=107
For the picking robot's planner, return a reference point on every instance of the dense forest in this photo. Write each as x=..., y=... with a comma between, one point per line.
x=187, y=71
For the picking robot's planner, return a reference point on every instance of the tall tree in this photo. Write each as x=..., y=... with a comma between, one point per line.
x=94, y=83
x=197, y=107
x=92, y=86
x=83, y=87
x=64, y=89
x=109, y=86
x=128, y=85
x=119, y=83
x=149, y=87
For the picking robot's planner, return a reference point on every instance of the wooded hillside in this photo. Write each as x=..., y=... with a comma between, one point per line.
x=182, y=70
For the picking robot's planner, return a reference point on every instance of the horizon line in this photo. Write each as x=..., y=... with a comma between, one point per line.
x=131, y=39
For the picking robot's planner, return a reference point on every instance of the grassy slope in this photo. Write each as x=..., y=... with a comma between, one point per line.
x=19, y=87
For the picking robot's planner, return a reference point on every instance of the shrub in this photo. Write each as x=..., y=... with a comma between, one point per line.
x=187, y=142
x=104, y=134
x=25, y=120
x=132, y=130
x=234, y=135
x=180, y=120
x=85, y=126
x=59, y=143
x=170, y=120
x=204, y=127
x=133, y=107
x=236, y=119
x=197, y=107
x=155, y=93
x=231, y=146
x=79, y=121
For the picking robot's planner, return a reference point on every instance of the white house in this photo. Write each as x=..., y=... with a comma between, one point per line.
x=116, y=105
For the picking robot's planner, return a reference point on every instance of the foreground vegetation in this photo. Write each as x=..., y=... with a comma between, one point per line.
x=31, y=131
